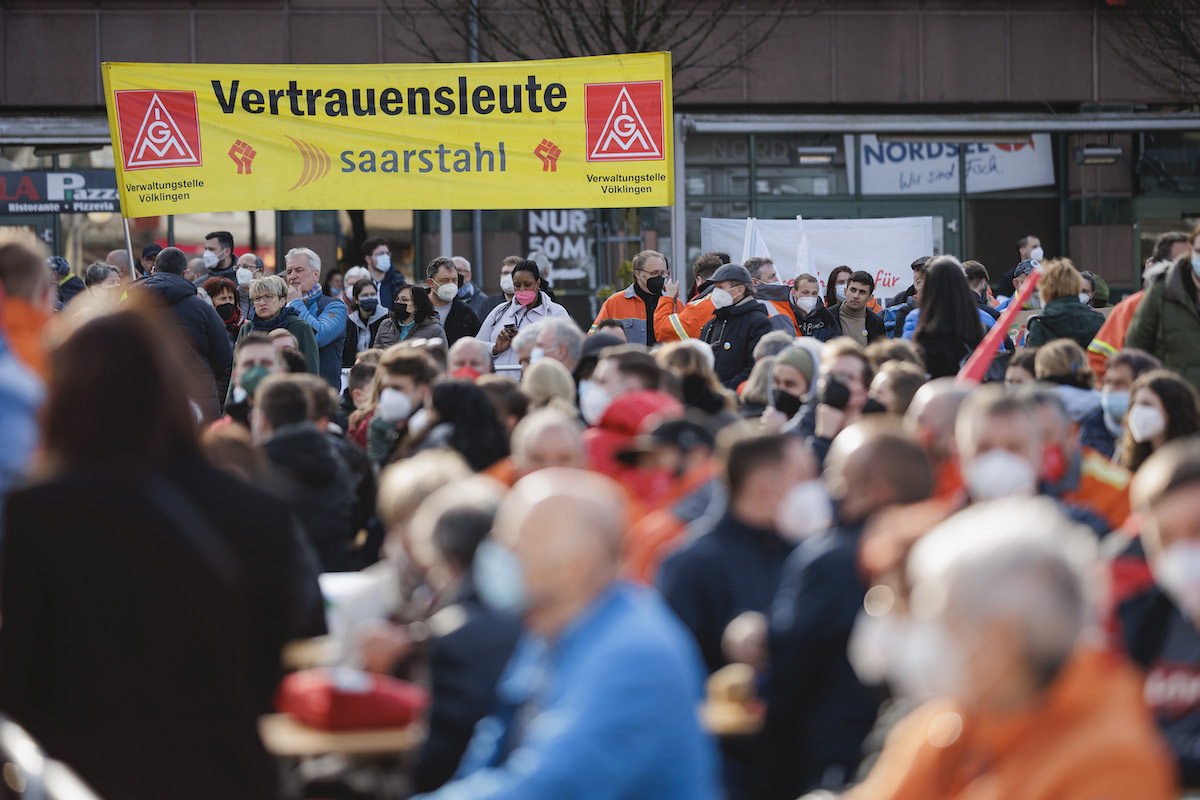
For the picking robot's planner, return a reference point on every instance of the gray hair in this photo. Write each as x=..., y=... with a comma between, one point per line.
x=772, y=344
x=471, y=341
x=462, y=263
x=314, y=260
x=947, y=259
x=270, y=284
x=1018, y=561
x=567, y=334
x=436, y=266
x=527, y=337
x=98, y=272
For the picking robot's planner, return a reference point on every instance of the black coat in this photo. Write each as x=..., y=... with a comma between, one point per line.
x=460, y=322
x=725, y=568
x=350, y=346
x=317, y=486
x=465, y=662
x=733, y=332
x=818, y=712
x=820, y=324
x=133, y=651
x=872, y=321
x=205, y=332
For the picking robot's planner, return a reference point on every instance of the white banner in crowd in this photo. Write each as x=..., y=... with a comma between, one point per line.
x=885, y=248
x=932, y=167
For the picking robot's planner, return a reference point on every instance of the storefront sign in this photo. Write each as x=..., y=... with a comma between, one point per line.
x=933, y=167
x=59, y=192
x=572, y=133
x=563, y=243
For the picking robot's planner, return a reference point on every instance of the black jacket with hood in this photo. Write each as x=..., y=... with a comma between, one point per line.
x=205, y=332
x=318, y=488
x=733, y=332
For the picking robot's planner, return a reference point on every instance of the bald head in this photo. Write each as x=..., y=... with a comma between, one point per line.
x=873, y=464
x=120, y=260
x=565, y=527
x=931, y=415
x=547, y=438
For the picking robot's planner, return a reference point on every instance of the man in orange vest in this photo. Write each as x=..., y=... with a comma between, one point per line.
x=634, y=308
x=675, y=319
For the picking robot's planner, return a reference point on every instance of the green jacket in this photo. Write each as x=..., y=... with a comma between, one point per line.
x=304, y=336
x=1167, y=322
x=1064, y=318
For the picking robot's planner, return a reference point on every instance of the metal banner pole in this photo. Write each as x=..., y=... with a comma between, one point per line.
x=133, y=262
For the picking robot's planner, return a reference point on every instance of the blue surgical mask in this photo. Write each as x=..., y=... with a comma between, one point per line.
x=1116, y=405
x=499, y=578
x=840, y=291
x=1196, y=263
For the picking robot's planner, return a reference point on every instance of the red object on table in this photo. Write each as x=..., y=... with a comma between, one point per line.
x=346, y=699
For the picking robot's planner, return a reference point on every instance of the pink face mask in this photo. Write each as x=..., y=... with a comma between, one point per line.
x=525, y=297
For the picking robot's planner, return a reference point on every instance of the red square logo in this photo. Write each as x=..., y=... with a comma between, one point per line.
x=158, y=129
x=624, y=121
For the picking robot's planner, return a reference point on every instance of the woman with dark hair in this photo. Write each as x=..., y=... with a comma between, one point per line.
x=223, y=294
x=144, y=620
x=948, y=324
x=334, y=284
x=1163, y=407
x=528, y=306
x=462, y=418
x=835, y=286
x=412, y=317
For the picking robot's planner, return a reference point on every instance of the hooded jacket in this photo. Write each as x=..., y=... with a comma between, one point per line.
x=317, y=486
x=355, y=326
x=1064, y=318
x=627, y=416
x=205, y=332
x=733, y=332
x=820, y=324
x=1167, y=322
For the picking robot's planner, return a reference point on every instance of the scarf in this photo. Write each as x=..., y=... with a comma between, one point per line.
x=405, y=328
x=235, y=322
x=280, y=320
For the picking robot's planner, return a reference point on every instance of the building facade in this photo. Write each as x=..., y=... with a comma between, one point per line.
x=850, y=108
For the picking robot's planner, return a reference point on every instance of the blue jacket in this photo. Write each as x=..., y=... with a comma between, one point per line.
x=327, y=316
x=20, y=397
x=818, y=712
x=607, y=711
x=726, y=568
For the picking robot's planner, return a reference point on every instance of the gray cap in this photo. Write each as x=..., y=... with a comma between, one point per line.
x=731, y=272
x=1026, y=267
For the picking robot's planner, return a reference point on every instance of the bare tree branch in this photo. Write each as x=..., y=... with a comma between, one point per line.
x=1160, y=42
x=707, y=38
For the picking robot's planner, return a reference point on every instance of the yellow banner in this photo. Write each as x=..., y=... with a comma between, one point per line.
x=566, y=133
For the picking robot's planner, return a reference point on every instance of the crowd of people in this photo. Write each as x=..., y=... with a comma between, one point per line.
x=742, y=539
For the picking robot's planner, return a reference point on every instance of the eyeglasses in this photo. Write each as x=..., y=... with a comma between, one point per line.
x=258, y=297
x=653, y=274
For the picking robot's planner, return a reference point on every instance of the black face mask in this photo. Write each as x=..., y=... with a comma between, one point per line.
x=226, y=310
x=700, y=287
x=787, y=402
x=401, y=312
x=655, y=285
